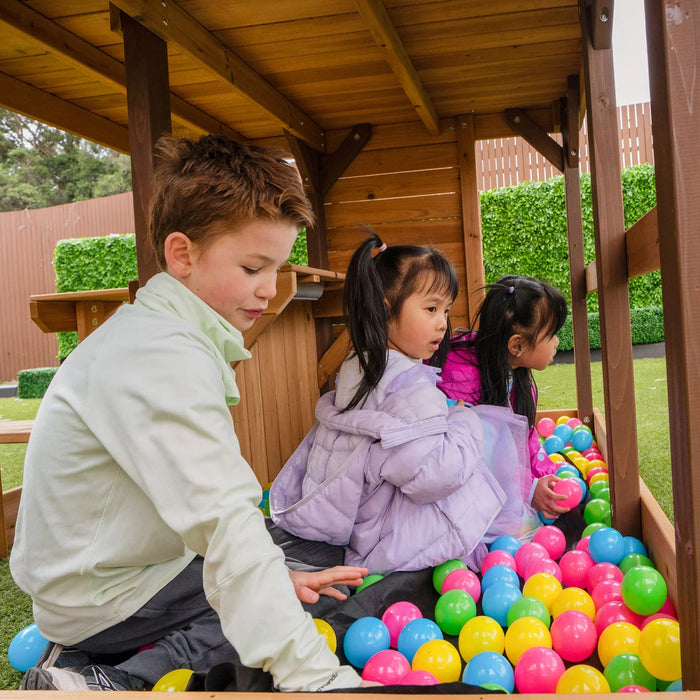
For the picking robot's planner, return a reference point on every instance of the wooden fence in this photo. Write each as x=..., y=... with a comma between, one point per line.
x=28, y=238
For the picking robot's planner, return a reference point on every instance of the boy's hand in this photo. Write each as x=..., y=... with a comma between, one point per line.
x=545, y=500
x=311, y=585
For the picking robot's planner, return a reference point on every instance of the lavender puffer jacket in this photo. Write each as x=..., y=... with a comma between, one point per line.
x=401, y=482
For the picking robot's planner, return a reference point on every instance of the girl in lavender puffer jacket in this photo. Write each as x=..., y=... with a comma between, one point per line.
x=389, y=470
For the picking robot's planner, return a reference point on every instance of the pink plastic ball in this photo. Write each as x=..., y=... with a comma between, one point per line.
x=571, y=489
x=582, y=545
x=615, y=611
x=542, y=566
x=498, y=556
x=397, y=616
x=419, y=678
x=633, y=689
x=574, y=635
x=538, y=670
x=655, y=616
x=602, y=571
x=545, y=427
x=593, y=471
x=552, y=539
x=575, y=566
x=464, y=580
x=387, y=667
x=668, y=608
x=528, y=551
x=606, y=591
x=574, y=422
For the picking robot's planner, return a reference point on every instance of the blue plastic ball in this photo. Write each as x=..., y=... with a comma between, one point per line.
x=581, y=440
x=584, y=488
x=26, y=648
x=364, y=638
x=675, y=686
x=489, y=667
x=507, y=543
x=553, y=444
x=567, y=470
x=497, y=599
x=415, y=634
x=634, y=546
x=563, y=431
x=546, y=521
x=499, y=573
x=606, y=545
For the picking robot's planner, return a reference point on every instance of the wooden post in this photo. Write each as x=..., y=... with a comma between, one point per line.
x=674, y=52
x=148, y=101
x=577, y=263
x=471, y=214
x=611, y=264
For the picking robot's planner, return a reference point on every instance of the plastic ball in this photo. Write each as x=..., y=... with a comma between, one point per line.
x=415, y=634
x=675, y=686
x=660, y=649
x=606, y=544
x=668, y=608
x=615, y=611
x=574, y=423
x=562, y=419
x=542, y=566
x=523, y=634
x=397, y=616
x=602, y=571
x=441, y=571
x=327, y=632
x=644, y=590
x=655, y=616
x=627, y=669
x=597, y=511
x=497, y=599
x=545, y=427
x=584, y=488
x=552, y=539
x=573, y=598
x=419, y=678
x=575, y=566
x=497, y=557
x=479, y=634
x=571, y=489
x=635, y=559
x=553, y=444
x=581, y=440
x=633, y=689
x=174, y=681
x=618, y=638
x=464, y=580
x=489, y=667
x=363, y=639
x=453, y=609
x=634, y=546
x=440, y=658
x=387, y=667
x=507, y=543
x=567, y=471
x=591, y=528
x=527, y=606
x=595, y=478
x=582, y=679
x=368, y=581
x=538, y=670
x=500, y=573
x=582, y=544
x=545, y=587
x=598, y=488
x=526, y=553
x=574, y=636
x=564, y=432
x=26, y=647
x=605, y=592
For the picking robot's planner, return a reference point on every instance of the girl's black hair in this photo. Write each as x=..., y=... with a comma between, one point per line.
x=514, y=304
x=376, y=289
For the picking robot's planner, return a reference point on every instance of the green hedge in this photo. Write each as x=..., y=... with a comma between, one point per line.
x=33, y=383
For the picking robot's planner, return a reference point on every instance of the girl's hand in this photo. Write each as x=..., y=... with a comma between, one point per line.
x=311, y=585
x=545, y=500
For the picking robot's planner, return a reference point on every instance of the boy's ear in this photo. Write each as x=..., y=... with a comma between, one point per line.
x=515, y=345
x=179, y=250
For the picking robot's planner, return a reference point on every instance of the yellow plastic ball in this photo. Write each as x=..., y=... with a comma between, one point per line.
x=582, y=679
x=173, y=682
x=574, y=454
x=562, y=419
x=328, y=633
x=481, y=633
x=440, y=658
x=600, y=476
x=544, y=587
x=574, y=598
x=598, y=463
x=523, y=634
x=660, y=649
x=556, y=458
x=618, y=638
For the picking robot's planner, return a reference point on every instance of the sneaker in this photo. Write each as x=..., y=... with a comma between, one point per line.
x=102, y=677
x=53, y=679
x=56, y=655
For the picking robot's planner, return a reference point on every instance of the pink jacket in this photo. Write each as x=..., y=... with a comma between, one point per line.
x=461, y=379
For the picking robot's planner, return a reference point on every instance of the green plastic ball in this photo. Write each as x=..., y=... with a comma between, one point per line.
x=440, y=572
x=627, y=669
x=597, y=511
x=527, y=606
x=368, y=581
x=644, y=590
x=453, y=610
x=635, y=559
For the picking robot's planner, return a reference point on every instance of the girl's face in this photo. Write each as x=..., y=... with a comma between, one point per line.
x=538, y=357
x=236, y=272
x=421, y=325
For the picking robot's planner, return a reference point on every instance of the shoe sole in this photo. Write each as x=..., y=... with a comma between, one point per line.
x=53, y=679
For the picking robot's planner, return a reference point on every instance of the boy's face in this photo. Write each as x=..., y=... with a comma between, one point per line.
x=236, y=273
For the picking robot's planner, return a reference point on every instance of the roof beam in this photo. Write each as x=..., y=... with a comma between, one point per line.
x=381, y=27
x=87, y=58
x=37, y=104
x=174, y=25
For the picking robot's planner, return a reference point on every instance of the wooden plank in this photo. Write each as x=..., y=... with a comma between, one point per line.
x=427, y=232
x=672, y=32
x=591, y=277
x=10, y=504
x=536, y=137
x=15, y=431
x=330, y=363
x=642, y=244
x=336, y=164
x=385, y=36
x=611, y=261
x=471, y=215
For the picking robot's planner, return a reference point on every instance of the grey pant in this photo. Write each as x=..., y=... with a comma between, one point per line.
x=184, y=629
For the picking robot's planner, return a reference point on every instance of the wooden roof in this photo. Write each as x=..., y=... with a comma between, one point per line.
x=256, y=69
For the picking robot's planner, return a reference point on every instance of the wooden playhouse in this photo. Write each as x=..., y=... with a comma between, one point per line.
x=381, y=103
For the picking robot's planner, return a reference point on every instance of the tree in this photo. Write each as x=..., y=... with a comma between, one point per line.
x=41, y=166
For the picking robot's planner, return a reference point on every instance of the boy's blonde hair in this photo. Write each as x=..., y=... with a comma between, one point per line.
x=202, y=187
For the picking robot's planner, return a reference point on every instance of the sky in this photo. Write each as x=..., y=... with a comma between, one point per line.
x=630, y=53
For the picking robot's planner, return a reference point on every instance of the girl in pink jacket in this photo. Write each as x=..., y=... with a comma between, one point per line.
x=517, y=322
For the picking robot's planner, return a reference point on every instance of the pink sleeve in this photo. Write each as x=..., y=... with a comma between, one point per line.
x=461, y=379
x=540, y=463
